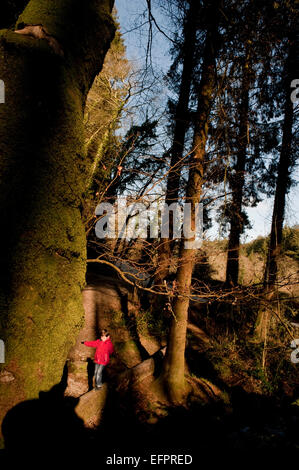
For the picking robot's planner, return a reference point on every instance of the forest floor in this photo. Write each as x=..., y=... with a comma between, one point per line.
x=235, y=401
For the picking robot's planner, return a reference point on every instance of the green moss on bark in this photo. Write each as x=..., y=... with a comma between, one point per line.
x=67, y=21
x=42, y=176
x=45, y=258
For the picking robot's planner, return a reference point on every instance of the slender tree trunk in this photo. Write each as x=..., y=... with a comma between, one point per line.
x=173, y=374
x=180, y=128
x=236, y=220
x=282, y=187
x=283, y=181
x=48, y=70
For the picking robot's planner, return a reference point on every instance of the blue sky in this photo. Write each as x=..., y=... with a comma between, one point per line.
x=130, y=14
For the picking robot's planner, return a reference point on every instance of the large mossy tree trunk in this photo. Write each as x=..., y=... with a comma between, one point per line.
x=173, y=372
x=48, y=69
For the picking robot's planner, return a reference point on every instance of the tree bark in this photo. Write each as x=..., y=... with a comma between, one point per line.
x=236, y=220
x=48, y=66
x=283, y=178
x=282, y=187
x=173, y=373
x=180, y=129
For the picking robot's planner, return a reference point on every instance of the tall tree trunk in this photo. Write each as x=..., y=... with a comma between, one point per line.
x=180, y=128
x=48, y=70
x=173, y=373
x=236, y=220
x=282, y=187
x=283, y=178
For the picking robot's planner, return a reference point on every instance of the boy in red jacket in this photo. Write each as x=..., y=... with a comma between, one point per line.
x=104, y=348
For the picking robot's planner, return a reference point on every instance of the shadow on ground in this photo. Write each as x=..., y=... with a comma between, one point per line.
x=45, y=424
x=50, y=424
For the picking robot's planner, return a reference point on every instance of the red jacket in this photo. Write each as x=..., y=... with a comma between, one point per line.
x=103, y=350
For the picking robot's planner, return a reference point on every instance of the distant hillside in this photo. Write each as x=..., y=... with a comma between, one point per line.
x=253, y=257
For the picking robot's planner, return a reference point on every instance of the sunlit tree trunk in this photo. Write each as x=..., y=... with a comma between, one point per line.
x=173, y=373
x=236, y=220
x=48, y=67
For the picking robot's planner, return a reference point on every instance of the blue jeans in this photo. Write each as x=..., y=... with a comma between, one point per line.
x=98, y=374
